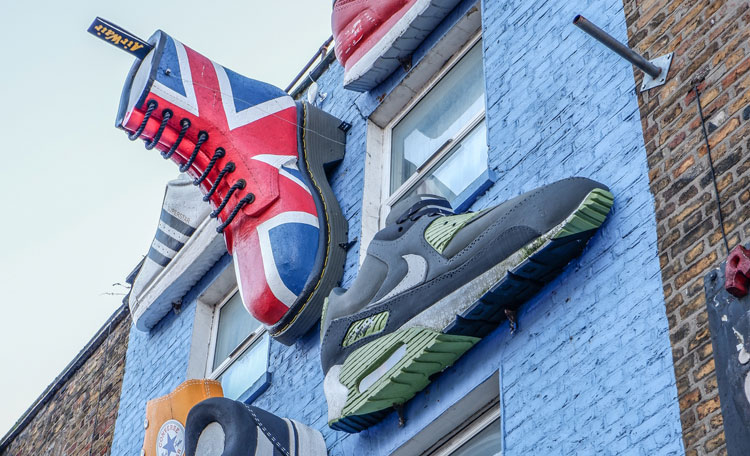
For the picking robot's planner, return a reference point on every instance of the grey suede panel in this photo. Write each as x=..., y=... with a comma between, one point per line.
x=490, y=248
x=384, y=266
x=392, y=232
x=411, y=242
x=341, y=302
x=541, y=209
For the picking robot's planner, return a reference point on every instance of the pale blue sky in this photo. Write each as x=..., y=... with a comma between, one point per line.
x=81, y=202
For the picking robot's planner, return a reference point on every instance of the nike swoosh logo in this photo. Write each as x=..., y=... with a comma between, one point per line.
x=416, y=273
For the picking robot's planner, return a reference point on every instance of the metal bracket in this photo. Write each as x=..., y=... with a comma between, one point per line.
x=654, y=71
x=512, y=317
x=401, y=417
x=663, y=62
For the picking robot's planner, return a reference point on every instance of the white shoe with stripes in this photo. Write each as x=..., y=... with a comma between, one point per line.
x=182, y=211
x=222, y=427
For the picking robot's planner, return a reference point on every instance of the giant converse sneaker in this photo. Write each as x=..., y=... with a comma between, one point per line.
x=165, y=416
x=260, y=159
x=434, y=283
x=374, y=37
x=223, y=427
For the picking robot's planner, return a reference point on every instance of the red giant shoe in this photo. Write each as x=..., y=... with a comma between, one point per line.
x=374, y=36
x=259, y=159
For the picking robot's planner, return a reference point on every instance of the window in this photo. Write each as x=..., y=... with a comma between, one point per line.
x=428, y=134
x=238, y=351
x=481, y=437
x=438, y=144
x=470, y=425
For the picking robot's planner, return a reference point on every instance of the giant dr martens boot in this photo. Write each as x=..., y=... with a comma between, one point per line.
x=260, y=160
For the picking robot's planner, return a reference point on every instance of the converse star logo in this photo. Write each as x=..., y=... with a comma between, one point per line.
x=171, y=439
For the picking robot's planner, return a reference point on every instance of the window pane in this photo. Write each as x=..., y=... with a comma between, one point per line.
x=235, y=324
x=485, y=443
x=438, y=117
x=246, y=369
x=459, y=169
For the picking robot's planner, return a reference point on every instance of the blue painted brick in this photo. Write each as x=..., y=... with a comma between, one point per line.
x=590, y=370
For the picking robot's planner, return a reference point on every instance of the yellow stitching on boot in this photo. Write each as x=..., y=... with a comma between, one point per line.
x=325, y=215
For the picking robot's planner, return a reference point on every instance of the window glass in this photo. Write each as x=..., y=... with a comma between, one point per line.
x=446, y=110
x=235, y=325
x=487, y=442
x=246, y=369
x=465, y=163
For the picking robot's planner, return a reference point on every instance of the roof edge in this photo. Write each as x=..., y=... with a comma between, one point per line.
x=118, y=316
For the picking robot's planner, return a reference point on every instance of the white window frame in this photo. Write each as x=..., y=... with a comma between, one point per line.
x=458, y=422
x=205, y=330
x=387, y=198
x=256, y=335
x=480, y=422
x=424, y=75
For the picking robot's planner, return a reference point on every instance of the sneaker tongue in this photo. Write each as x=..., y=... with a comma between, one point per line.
x=416, y=203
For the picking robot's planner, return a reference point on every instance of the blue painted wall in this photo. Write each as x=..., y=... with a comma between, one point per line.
x=155, y=363
x=590, y=370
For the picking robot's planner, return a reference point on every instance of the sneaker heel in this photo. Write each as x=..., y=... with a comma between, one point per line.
x=390, y=371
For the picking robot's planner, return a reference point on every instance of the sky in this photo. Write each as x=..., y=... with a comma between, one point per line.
x=81, y=202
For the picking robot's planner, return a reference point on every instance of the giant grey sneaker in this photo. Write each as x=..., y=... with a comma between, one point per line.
x=434, y=283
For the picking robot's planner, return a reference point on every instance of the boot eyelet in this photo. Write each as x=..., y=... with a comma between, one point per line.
x=184, y=125
x=218, y=153
x=150, y=106
x=228, y=168
x=202, y=137
x=247, y=199
x=165, y=116
x=239, y=185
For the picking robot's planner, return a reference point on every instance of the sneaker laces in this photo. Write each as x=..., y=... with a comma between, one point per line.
x=427, y=207
x=218, y=154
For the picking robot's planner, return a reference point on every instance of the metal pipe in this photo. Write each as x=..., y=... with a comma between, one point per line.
x=619, y=48
x=321, y=53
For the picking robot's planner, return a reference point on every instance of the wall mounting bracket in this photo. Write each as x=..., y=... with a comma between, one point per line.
x=655, y=71
x=663, y=63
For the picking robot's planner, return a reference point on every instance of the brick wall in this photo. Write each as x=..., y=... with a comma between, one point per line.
x=711, y=42
x=79, y=419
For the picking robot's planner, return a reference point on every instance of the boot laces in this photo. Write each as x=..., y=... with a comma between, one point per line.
x=218, y=154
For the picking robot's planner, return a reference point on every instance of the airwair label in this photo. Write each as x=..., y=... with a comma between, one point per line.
x=120, y=38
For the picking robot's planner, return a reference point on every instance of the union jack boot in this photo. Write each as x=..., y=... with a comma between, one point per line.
x=223, y=427
x=373, y=37
x=260, y=160
x=434, y=283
